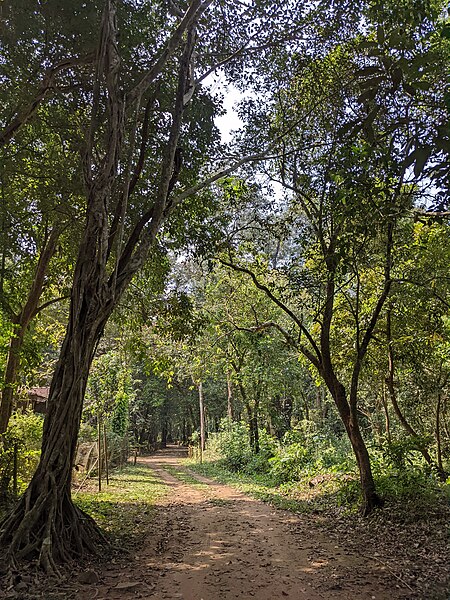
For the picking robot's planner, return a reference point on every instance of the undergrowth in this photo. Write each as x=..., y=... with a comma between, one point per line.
x=309, y=471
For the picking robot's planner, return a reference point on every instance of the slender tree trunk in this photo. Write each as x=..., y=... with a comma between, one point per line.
x=229, y=398
x=256, y=425
x=21, y=322
x=438, y=432
x=164, y=433
x=201, y=407
x=250, y=419
x=386, y=413
x=251, y=425
x=99, y=446
x=12, y=367
x=370, y=498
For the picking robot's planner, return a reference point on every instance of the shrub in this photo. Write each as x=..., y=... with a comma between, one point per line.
x=23, y=436
x=232, y=445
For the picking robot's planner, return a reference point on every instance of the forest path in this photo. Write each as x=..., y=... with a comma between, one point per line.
x=211, y=542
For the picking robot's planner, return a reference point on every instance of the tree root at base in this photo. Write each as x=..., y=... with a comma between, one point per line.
x=51, y=531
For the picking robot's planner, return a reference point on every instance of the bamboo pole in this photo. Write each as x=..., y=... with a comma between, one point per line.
x=105, y=449
x=202, y=420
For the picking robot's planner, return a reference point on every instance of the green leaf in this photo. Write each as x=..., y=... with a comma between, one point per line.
x=445, y=32
x=423, y=154
x=421, y=85
x=409, y=89
x=367, y=71
x=374, y=82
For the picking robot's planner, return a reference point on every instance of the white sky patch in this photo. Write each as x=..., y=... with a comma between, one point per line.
x=230, y=121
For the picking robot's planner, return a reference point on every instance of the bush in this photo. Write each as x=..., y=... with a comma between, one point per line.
x=260, y=462
x=289, y=462
x=24, y=436
x=231, y=445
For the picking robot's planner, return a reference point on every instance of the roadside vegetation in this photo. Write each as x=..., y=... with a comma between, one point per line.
x=310, y=471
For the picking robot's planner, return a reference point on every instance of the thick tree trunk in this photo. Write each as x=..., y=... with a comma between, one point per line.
x=45, y=524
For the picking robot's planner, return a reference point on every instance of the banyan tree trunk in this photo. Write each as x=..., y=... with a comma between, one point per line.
x=46, y=525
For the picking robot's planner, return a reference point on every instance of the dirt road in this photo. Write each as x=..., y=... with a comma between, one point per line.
x=213, y=543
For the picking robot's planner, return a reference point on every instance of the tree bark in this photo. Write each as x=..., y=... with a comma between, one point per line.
x=370, y=498
x=12, y=368
x=229, y=398
x=386, y=414
x=201, y=407
x=46, y=523
x=438, y=432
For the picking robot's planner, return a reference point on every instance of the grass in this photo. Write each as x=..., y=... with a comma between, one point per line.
x=185, y=477
x=125, y=508
x=286, y=497
x=332, y=494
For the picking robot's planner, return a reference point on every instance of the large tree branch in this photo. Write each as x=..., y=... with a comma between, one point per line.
x=23, y=115
x=195, y=10
x=213, y=178
x=50, y=303
x=29, y=309
x=134, y=252
x=375, y=316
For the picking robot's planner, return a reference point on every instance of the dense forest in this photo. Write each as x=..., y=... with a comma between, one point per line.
x=278, y=299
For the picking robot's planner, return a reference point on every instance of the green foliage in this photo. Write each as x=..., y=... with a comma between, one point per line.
x=24, y=433
x=306, y=451
x=302, y=453
x=119, y=421
x=232, y=445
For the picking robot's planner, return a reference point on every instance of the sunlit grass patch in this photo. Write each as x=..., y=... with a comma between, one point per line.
x=185, y=477
x=297, y=496
x=125, y=507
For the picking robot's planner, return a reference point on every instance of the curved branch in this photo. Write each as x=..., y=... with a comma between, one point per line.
x=23, y=116
x=316, y=360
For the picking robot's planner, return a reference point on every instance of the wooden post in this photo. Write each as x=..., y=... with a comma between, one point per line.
x=202, y=420
x=105, y=449
x=15, y=456
x=99, y=442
